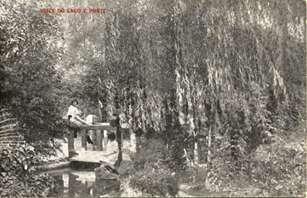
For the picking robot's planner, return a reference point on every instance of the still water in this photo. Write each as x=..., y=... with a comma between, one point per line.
x=72, y=183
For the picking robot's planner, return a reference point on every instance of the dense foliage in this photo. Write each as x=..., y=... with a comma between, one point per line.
x=18, y=177
x=29, y=55
x=29, y=88
x=153, y=175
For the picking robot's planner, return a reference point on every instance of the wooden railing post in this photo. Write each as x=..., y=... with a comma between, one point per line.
x=99, y=139
x=98, y=136
x=71, y=146
x=83, y=139
x=94, y=139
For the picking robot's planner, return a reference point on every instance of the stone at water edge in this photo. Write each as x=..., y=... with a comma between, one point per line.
x=102, y=173
x=106, y=181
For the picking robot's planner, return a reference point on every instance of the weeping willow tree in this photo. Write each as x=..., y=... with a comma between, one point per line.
x=222, y=74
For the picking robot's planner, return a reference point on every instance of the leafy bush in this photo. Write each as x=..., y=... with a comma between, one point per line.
x=224, y=173
x=279, y=168
x=276, y=169
x=155, y=179
x=152, y=151
x=18, y=176
x=154, y=176
x=28, y=69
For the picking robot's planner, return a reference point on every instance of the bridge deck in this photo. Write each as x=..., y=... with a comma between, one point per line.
x=98, y=126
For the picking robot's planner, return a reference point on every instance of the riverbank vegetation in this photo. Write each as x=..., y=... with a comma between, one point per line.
x=218, y=85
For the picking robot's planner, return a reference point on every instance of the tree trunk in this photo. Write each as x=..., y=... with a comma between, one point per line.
x=119, y=142
x=118, y=131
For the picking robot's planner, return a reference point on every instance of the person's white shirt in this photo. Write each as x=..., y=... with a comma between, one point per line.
x=75, y=113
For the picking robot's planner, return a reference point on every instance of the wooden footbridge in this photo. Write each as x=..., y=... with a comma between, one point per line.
x=96, y=152
x=9, y=135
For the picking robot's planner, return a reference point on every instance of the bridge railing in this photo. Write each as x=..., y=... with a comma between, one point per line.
x=98, y=130
x=97, y=135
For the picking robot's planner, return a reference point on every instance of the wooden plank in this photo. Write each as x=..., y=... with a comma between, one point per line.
x=83, y=139
x=12, y=120
x=5, y=116
x=100, y=126
x=8, y=134
x=93, y=135
x=3, y=110
x=12, y=138
x=6, y=142
x=8, y=126
x=7, y=130
x=103, y=126
x=99, y=134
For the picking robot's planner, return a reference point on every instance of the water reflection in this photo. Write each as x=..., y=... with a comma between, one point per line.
x=73, y=184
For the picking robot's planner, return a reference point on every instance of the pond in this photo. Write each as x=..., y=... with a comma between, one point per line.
x=82, y=183
x=75, y=183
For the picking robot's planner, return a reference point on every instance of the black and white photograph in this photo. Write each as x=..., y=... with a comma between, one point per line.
x=152, y=98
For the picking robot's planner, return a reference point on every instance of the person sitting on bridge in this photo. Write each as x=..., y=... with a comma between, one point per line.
x=74, y=114
x=75, y=121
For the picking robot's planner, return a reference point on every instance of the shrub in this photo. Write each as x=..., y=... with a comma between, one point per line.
x=279, y=168
x=18, y=176
x=155, y=179
x=153, y=175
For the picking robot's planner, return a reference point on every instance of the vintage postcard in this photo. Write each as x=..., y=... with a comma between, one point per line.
x=152, y=98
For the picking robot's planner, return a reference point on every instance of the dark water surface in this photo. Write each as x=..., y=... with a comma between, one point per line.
x=76, y=183
x=73, y=183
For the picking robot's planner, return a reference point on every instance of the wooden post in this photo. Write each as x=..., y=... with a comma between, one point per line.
x=71, y=147
x=94, y=139
x=105, y=139
x=83, y=139
x=132, y=140
x=99, y=139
